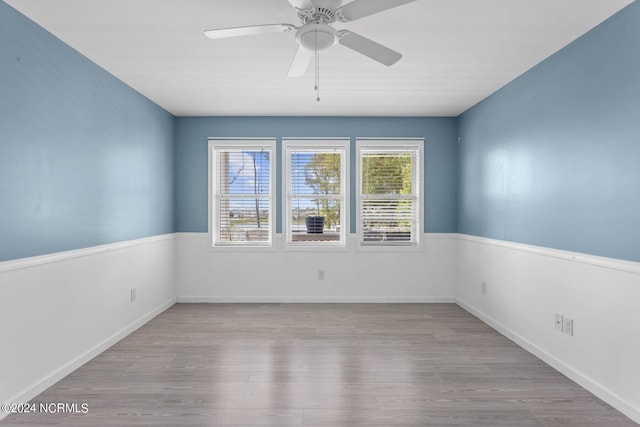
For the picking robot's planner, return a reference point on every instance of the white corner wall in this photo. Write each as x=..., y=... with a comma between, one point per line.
x=58, y=311
x=280, y=275
x=527, y=285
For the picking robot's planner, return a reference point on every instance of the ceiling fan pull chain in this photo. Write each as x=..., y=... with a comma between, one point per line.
x=318, y=76
x=317, y=70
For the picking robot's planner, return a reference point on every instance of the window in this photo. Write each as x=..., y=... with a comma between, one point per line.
x=316, y=192
x=389, y=192
x=241, y=192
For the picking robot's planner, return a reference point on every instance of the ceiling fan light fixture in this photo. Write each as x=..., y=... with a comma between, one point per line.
x=317, y=37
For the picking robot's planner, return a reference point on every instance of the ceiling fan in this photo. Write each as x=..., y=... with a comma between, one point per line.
x=316, y=33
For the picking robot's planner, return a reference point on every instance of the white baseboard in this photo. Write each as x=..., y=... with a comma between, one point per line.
x=315, y=300
x=35, y=389
x=584, y=381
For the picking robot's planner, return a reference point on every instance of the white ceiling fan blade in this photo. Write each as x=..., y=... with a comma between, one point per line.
x=369, y=48
x=248, y=31
x=300, y=62
x=360, y=8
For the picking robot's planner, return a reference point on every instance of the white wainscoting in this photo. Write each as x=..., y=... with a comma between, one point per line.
x=527, y=285
x=58, y=311
x=280, y=275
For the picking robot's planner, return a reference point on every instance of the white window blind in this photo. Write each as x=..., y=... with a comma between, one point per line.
x=242, y=194
x=389, y=194
x=316, y=188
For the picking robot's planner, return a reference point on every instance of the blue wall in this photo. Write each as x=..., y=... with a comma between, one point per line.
x=84, y=159
x=441, y=152
x=553, y=159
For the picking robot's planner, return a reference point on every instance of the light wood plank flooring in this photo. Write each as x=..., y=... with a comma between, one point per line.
x=319, y=365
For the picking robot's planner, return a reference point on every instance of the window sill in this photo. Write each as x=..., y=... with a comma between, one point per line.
x=330, y=236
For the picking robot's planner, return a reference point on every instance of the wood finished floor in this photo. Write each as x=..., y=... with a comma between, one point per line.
x=319, y=365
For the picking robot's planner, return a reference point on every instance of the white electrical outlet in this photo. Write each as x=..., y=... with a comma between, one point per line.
x=559, y=322
x=320, y=274
x=133, y=294
x=567, y=326
x=483, y=287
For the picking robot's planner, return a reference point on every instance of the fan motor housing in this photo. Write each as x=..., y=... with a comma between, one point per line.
x=317, y=37
x=317, y=15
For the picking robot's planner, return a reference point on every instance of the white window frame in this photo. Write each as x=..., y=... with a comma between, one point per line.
x=340, y=145
x=412, y=145
x=216, y=145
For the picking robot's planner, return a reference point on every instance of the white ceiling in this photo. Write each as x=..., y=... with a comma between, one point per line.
x=456, y=52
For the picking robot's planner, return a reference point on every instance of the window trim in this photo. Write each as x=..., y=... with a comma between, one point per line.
x=239, y=144
x=394, y=144
x=315, y=145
